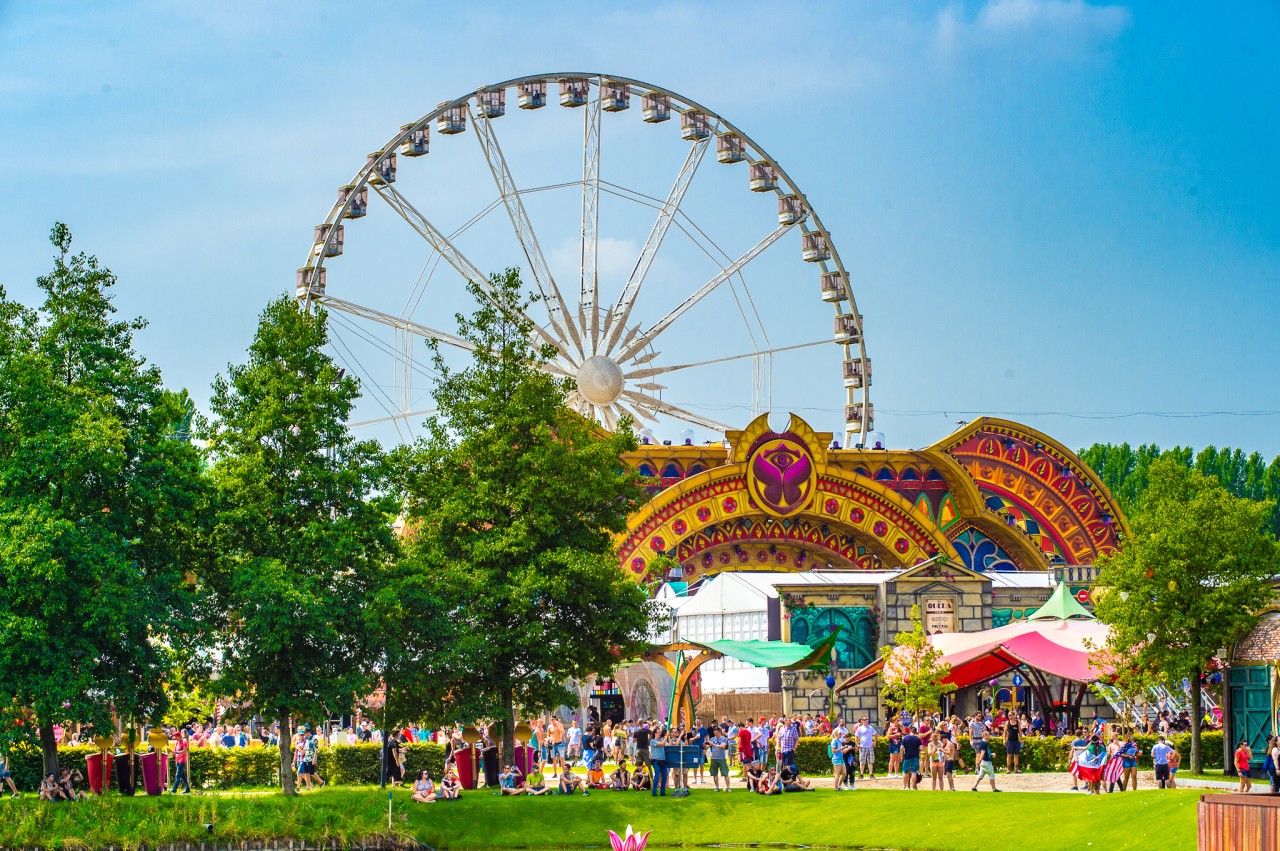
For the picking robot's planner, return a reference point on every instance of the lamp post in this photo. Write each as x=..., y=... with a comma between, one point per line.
x=832, y=667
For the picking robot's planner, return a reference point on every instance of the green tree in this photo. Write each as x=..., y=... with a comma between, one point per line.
x=913, y=676
x=1190, y=580
x=515, y=501
x=97, y=508
x=1126, y=471
x=303, y=534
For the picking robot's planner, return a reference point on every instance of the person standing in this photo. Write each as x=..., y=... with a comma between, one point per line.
x=982, y=758
x=574, y=750
x=643, y=737
x=950, y=754
x=6, y=776
x=181, y=750
x=393, y=760
x=658, y=756
x=865, y=734
x=835, y=749
x=746, y=752
x=718, y=745
x=937, y=762
x=1160, y=759
x=1128, y=764
x=1012, y=748
x=1243, y=756
x=1273, y=754
x=555, y=734
x=911, y=744
x=787, y=738
x=699, y=740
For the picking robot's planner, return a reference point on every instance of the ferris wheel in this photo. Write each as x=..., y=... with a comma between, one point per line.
x=678, y=310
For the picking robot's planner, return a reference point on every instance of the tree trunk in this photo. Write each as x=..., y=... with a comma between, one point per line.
x=1195, y=720
x=49, y=745
x=508, y=729
x=286, y=757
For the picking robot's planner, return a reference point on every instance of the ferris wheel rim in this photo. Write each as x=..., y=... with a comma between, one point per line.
x=857, y=349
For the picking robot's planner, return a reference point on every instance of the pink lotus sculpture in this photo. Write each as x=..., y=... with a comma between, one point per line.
x=631, y=842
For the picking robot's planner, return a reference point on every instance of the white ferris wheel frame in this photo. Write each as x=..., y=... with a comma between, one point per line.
x=590, y=332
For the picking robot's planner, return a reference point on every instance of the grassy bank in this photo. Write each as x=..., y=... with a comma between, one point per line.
x=960, y=821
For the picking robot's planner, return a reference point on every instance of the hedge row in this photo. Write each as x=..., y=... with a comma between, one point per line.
x=361, y=764
x=1038, y=754
x=240, y=767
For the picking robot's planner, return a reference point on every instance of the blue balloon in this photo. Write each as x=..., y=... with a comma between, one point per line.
x=831, y=681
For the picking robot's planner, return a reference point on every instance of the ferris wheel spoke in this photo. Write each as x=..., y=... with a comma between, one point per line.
x=654, y=404
x=589, y=297
x=649, y=372
x=617, y=318
x=637, y=413
x=557, y=310
x=455, y=258
x=610, y=418
x=392, y=417
x=396, y=322
x=665, y=322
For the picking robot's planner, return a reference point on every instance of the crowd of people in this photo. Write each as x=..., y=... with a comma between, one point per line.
x=650, y=756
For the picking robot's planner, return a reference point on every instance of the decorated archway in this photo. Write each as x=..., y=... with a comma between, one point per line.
x=995, y=496
x=777, y=504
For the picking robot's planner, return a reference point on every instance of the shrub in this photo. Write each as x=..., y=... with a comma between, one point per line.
x=352, y=764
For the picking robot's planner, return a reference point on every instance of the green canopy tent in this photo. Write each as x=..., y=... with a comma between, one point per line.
x=692, y=655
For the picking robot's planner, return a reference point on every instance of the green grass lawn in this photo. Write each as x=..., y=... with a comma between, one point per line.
x=957, y=821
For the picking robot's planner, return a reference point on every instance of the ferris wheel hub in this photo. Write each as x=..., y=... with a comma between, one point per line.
x=600, y=380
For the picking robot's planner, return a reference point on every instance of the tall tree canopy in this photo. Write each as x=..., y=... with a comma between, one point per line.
x=515, y=501
x=1190, y=579
x=1126, y=471
x=303, y=536
x=98, y=507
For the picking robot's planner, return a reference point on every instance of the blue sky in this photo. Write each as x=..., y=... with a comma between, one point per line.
x=1060, y=212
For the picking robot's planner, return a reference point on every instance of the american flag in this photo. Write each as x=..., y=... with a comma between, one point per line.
x=1113, y=769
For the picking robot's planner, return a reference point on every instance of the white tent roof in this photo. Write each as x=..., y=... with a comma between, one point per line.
x=749, y=591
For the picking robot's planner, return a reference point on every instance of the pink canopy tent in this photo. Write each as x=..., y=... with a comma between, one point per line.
x=1052, y=643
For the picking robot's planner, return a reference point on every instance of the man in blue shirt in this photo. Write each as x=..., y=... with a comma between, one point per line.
x=1160, y=759
x=700, y=742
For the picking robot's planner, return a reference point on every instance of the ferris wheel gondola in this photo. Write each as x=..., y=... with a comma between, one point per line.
x=608, y=345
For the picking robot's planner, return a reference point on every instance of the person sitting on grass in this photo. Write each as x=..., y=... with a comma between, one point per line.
x=450, y=787
x=511, y=782
x=620, y=780
x=752, y=776
x=640, y=779
x=792, y=781
x=771, y=784
x=595, y=776
x=68, y=780
x=6, y=776
x=570, y=782
x=424, y=791
x=536, y=782
x=50, y=790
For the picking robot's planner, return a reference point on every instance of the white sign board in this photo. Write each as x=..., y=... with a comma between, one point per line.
x=939, y=616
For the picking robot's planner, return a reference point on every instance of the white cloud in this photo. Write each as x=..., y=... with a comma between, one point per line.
x=1053, y=25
